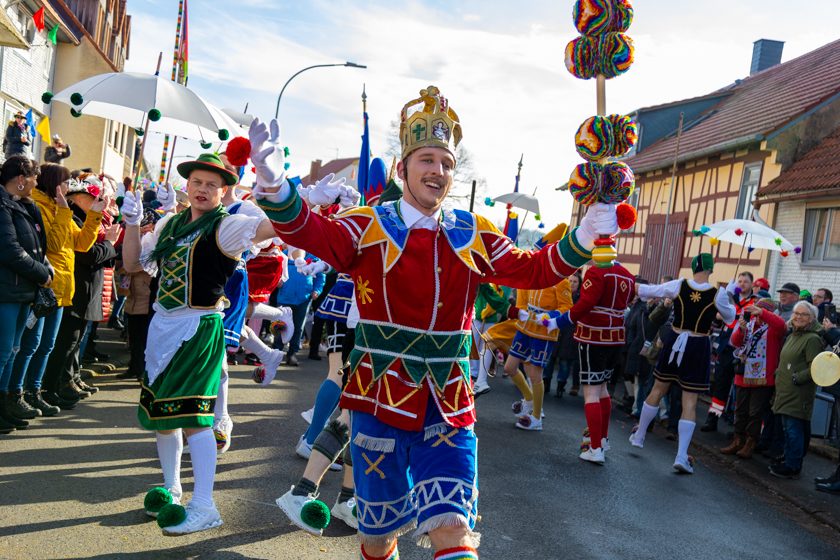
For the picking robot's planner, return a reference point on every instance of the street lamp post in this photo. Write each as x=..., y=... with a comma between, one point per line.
x=348, y=64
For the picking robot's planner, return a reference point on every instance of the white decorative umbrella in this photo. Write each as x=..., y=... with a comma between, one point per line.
x=520, y=200
x=749, y=234
x=128, y=97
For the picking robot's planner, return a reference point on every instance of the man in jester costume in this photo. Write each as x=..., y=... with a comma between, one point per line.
x=412, y=409
x=194, y=252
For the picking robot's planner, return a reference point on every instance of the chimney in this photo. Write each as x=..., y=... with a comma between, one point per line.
x=315, y=171
x=766, y=54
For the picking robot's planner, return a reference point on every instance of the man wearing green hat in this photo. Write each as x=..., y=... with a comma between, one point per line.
x=193, y=253
x=686, y=351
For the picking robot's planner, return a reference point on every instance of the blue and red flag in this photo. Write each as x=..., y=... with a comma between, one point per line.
x=364, y=160
x=376, y=182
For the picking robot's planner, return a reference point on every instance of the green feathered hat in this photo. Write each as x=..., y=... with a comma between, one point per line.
x=208, y=162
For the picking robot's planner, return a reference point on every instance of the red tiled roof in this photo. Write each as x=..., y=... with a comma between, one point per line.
x=818, y=169
x=758, y=105
x=333, y=166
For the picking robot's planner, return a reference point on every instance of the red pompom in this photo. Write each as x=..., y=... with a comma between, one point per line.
x=626, y=215
x=238, y=150
x=739, y=232
x=785, y=253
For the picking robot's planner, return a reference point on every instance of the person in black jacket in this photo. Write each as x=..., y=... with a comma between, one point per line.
x=17, y=140
x=88, y=272
x=23, y=268
x=58, y=151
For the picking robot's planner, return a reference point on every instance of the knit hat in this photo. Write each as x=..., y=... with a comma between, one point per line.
x=766, y=303
x=762, y=283
x=702, y=263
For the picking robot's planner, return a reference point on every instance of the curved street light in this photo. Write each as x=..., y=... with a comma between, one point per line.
x=348, y=64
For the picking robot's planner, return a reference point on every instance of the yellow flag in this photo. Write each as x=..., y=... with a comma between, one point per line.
x=43, y=129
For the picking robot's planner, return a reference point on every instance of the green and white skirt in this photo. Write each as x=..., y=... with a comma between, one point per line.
x=184, y=394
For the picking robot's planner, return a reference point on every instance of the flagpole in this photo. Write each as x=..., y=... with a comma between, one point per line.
x=139, y=163
x=175, y=54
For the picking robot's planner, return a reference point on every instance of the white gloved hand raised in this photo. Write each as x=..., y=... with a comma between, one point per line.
x=313, y=268
x=523, y=315
x=349, y=197
x=166, y=197
x=132, y=208
x=269, y=159
x=326, y=191
x=600, y=220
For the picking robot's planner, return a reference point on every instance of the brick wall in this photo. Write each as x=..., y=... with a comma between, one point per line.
x=790, y=222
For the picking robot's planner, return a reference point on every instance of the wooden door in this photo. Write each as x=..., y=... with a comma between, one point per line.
x=663, y=249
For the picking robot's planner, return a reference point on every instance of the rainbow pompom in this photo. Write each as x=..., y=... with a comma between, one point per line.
x=581, y=54
x=592, y=17
x=615, y=54
x=622, y=15
x=594, y=138
x=618, y=183
x=585, y=182
x=625, y=132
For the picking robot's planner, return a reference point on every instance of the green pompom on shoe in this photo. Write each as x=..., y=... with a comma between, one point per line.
x=171, y=515
x=315, y=514
x=156, y=499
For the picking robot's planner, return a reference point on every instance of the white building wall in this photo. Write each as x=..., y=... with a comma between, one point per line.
x=790, y=223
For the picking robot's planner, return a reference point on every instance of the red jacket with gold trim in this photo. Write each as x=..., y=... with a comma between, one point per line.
x=598, y=314
x=415, y=291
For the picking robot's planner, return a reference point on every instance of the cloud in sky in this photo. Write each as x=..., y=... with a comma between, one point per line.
x=500, y=65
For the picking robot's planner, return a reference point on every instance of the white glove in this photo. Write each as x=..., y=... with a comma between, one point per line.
x=303, y=192
x=132, y=208
x=523, y=315
x=326, y=191
x=349, y=197
x=313, y=268
x=600, y=220
x=166, y=197
x=300, y=262
x=269, y=159
x=551, y=324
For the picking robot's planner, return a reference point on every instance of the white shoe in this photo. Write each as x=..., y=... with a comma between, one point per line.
x=633, y=442
x=292, y=506
x=199, y=518
x=307, y=415
x=684, y=465
x=605, y=444
x=480, y=388
x=284, y=325
x=303, y=449
x=223, y=429
x=528, y=422
x=270, y=365
x=593, y=455
x=345, y=512
x=176, y=499
x=522, y=407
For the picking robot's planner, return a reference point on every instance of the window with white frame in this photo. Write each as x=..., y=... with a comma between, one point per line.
x=822, y=237
x=749, y=186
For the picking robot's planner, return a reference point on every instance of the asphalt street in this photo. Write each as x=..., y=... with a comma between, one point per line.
x=73, y=486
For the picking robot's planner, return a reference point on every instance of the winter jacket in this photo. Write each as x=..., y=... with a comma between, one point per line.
x=16, y=141
x=800, y=349
x=51, y=154
x=64, y=237
x=23, y=264
x=775, y=336
x=638, y=329
x=298, y=288
x=88, y=274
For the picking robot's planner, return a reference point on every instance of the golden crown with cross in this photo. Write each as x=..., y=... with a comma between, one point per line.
x=429, y=121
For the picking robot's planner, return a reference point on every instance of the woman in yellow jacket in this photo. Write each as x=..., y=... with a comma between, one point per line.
x=535, y=339
x=64, y=238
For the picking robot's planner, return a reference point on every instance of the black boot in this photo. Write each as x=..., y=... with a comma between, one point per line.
x=828, y=479
x=6, y=427
x=92, y=389
x=711, y=424
x=51, y=397
x=19, y=408
x=18, y=423
x=35, y=400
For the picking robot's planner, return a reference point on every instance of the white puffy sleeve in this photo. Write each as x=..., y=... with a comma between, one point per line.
x=668, y=289
x=235, y=233
x=147, y=245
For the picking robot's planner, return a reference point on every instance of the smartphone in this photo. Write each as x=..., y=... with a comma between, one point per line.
x=747, y=316
x=831, y=312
